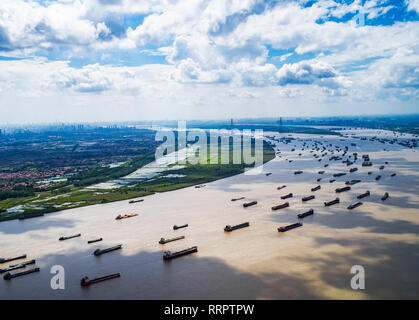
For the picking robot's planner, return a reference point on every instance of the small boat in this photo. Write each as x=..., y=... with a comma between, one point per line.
x=175, y=227
x=135, y=201
x=279, y=188
x=289, y=195
x=289, y=227
x=305, y=214
x=229, y=228
x=392, y=175
x=321, y=172
x=331, y=203
x=85, y=282
x=298, y=172
x=338, y=190
x=268, y=173
x=316, y=188
x=381, y=167
x=319, y=179
x=9, y=276
x=369, y=172
x=2, y=260
x=94, y=240
x=385, y=196
x=30, y=216
x=237, y=199
x=363, y=195
x=17, y=266
x=70, y=237
x=354, y=205
x=125, y=216
x=331, y=181
x=168, y=255
x=326, y=165
x=98, y=252
x=378, y=177
x=248, y=204
x=163, y=240
x=307, y=198
x=353, y=170
x=281, y=206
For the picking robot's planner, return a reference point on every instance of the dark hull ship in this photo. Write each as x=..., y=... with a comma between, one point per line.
x=175, y=227
x=229, y=228
x=163, y=240
x=354, y=205
x=99, y=252
x=248, y=204
x=331, y=203
x=85, y=282
x=305, y=214
x=168, y=255
x=308, y=198
x=290, y=227
x=70, y=237
x=363, y=195
x=281, y=206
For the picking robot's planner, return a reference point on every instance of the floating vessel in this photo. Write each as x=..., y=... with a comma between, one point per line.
x=381, y=167
x=85, y=282
x=363, y=195
x=2, y=260
x=289, y=195
x=279, y=188
x=163, y=240
x=369, y=172
x=30, y=216
x=321, y=172
x=319, y=179
x=201, y=186
x=367, y=164
x=305, y=214
x=95, y=240
x=330, y=203
x=268, y=173
x=354, y=205
x=289, y=227
x=236, y=199
x=98, y=252
x=229, y=228
x=316, y=188
x=332, y=180
x=339, y=174
x=307, y=198
x=338, y=190
x=392, y=175
x=378, y=177
x=385, y=196
x=352, y=182
x=125, y=216
x=281, y=206
x=175, y=227
x=353, y=170
x=248, y=204
x=17, y=266
x=168, y=255
x=70, y=237
x=135, y=201
x=298, y=172
x=9, y=276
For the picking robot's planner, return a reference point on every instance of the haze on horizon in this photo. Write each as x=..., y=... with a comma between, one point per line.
x=127, y=60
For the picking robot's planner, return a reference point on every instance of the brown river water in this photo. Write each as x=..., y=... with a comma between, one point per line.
x=258, y=262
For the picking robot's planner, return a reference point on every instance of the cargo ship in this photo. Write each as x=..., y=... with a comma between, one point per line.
x=339, y=190
x=17, y=266
x=321, y=172
x=281, y=206
x=367, y=164
x=307, y=198
x=289, y=227
x=85, y=282
x=99, y=252
x=70, y=237
x=229, y=228
x=316, y=188
x=332, y=180
x=268, y=173
x=175, y=227
x=354, y=205
x=392, y=175
x=248, y=204
x=378, y=177
x=94, y=240
x=168, y=255
x=4, y=260
x=339, y=174
x=331, y=203
x=237, y=199
x=289, y=195
x=305, y=214
x=279, y=188
x=298, y=172
x=353, y=170
x=352, y=182
x=126, y=216
x=163, y=240
x=363, y=195
x=135, y=201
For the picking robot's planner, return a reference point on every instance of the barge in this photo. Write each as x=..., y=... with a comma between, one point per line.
x=331, y=203
x=4, y=260
x=378, y=177
x=289, y=227
x=289, y=195
x=9, y=276
x=17, y=266
x=168, y=255
x=99, y=252
x=85, y=282
x=94, y=240
x=308, y=198
x=135, y=201
x=163, y=240
x=175, y=227
x=339, y=190
x=282, y=187
x=354, y=205
x=298, y=172
x=229, y=228
x=353, y=170
x=336, y=175
x=281, y=206
x=352, y=182
x=316, y=188
x=363, y=195
x=237, y=199
x=385, y=196
x=305, y=214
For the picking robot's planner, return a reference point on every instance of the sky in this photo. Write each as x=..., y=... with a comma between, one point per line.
x=119, y=60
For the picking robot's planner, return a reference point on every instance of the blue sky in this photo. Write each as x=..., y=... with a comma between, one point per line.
x=105, y=60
